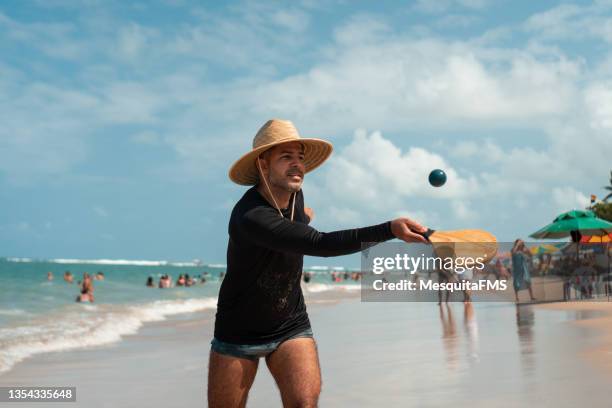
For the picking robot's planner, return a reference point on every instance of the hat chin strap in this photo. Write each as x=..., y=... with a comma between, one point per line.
x=261, y=175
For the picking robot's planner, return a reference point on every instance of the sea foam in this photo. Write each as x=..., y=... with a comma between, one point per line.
x=84, y=326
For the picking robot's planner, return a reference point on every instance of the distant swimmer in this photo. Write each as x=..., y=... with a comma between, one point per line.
x=99, y=276
x=165, y=282
x=86, y=289
x=49, y=276
x=307, y=277
x=150, y=283
x=68, y=277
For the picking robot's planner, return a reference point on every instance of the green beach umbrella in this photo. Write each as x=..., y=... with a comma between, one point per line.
x=573, y=221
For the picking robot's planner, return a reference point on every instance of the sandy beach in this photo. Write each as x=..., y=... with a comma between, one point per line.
x=596, y=318
x=372, y=354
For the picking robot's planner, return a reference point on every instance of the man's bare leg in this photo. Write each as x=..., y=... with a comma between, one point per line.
x=229, y=380
x=295, y=367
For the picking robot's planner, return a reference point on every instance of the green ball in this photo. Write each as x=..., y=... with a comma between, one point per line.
x=437, y=178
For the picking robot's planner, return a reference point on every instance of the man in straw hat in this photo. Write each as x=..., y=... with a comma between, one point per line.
x=261, y=310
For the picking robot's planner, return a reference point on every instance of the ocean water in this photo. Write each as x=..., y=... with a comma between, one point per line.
x=37, y=315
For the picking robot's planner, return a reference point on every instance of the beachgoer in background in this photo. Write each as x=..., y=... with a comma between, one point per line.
x=86, y=289
x=181, y=280
x=443, y=278
x=567, y=285
x=68, y=277
x=307, y=276
x=150, y=283
x=500, y=271
x=164, y=281
x=99, y=276
x=189, y=280
x=466, y=276
x=521, y=277
x=49, y=276
x=221, y=275
x=546, y=265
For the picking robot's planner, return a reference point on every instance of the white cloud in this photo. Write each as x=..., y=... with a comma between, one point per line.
x=568, y=198
x=368, y=76
x=343, y=215
x=571, y=21
x=372, y=179
x=598, y=102
x=372, y=168
x=400, y=83
x=463, y=210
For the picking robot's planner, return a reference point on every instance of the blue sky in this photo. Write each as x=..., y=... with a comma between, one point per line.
x=121, y=119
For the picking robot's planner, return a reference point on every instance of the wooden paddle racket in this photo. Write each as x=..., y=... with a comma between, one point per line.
x=464, y=243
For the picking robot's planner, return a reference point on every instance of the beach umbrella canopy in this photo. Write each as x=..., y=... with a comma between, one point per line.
x=596, y=239
x=544, y=249
x=565, y=224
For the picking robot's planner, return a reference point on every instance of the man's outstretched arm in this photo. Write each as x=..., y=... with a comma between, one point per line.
x=265, y=227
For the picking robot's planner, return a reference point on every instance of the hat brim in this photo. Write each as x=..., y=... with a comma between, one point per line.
x=244, y=170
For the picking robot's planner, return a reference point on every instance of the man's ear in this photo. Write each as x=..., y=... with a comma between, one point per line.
x=263, y=165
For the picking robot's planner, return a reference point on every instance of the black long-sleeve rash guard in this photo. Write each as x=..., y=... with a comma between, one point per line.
x=260, y=299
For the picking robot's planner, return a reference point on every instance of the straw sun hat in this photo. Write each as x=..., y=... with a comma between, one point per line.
x=273, y=133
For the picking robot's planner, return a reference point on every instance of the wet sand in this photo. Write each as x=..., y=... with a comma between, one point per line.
x=596, y=318
x=372, y=354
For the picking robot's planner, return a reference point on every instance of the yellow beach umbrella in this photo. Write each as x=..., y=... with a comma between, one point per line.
x=543, y=249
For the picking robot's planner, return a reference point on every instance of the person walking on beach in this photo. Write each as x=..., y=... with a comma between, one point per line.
x=521, y=278
x=261, y=310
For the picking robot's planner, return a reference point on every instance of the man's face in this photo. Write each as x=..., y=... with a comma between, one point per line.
x=284, y=166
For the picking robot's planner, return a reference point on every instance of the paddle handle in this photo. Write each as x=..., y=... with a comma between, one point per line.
x=426, y=234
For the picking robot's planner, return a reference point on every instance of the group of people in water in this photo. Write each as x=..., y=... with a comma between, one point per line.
x=345, y=276
x=86, y=287
x=165, y=281
x=336, y=276
x=86, y=284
